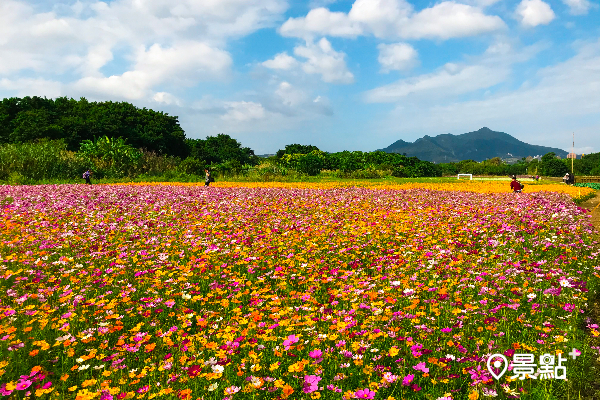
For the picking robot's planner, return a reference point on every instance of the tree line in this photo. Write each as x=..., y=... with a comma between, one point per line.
x=60, y=138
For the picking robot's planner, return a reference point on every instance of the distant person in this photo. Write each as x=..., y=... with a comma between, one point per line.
x=87, y=175
x=566, y=178
x=571, y=179
x=208, y=177
x=515, y=185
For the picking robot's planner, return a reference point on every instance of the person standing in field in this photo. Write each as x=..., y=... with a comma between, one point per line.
x=87, y=175
x=515, y=185
x=208, y=178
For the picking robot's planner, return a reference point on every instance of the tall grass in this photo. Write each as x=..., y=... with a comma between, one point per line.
x=30, y=162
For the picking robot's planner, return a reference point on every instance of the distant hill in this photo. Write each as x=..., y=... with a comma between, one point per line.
x=479, y=145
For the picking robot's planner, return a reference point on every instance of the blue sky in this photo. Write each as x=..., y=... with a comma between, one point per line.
x=341, y=75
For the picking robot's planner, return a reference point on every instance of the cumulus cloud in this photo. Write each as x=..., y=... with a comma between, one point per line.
x=32, y=87
x=322, y=22
x=453, y=79
x=281, y=61
x=166, y=98
x=181, y=38
x=243, y=111
x=324, y=60
x=578, y=7
x=394, y=19
x=449, y=20
x=397, y=56
x=534, y=12
x=184, y=64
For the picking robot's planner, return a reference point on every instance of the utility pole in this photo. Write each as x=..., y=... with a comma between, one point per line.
x=573, y=151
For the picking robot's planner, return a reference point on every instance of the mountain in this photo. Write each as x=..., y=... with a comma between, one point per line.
x=479, y=145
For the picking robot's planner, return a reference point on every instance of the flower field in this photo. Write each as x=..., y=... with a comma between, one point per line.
x=292, y=291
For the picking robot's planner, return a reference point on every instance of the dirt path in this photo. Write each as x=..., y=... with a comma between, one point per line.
x=594, y=313
x=592, y=204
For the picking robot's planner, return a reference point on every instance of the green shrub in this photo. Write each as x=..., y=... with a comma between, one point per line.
x=110, y=157
x=33, y=161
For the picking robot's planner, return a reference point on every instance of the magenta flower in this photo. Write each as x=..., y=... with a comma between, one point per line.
x=311, y=383
x=421, y=367
x=569, y=307
x=170, y=303
x=105, y=395
x=290, y=341
x=23, y=384
x=47, y=385
x=315, y=354
x=3, y=390
x=408, y=379
x=446, y=330
x=364, y=394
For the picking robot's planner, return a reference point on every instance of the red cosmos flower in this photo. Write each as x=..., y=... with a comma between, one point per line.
x=194, y=370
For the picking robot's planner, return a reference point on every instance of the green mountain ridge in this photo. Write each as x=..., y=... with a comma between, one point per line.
x=478, y=145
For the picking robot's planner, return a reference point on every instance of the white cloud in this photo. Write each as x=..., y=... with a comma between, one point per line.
x=578, y=7
x=243, y=111
x=453, y=79
x=449, y=81
x=289, y=95
x=449, y=20
x=281, y=61
x=184, y=38
x=566, y=98
x=394, y=19
x=397, y=56
x=322, y=22
x=166, y=98
x=324, y=60
x=184, y=64
x=583, y=150
x=534, y=12
x=32, y=87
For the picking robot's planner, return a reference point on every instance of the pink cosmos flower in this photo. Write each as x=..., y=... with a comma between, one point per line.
x=290, y=341
x=408, y=379
x=232, y=390
x=311, y=383
x=569, y=307
x=143, y=389
x=364, y=394
x=105, y=395
x=3, y=390
x=23, y=384
x=421, y=367
x=334, y=388
x=446, y=330
x=315, y=354
x=47, y=385
x=170, y=303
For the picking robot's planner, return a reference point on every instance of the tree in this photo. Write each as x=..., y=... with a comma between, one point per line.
x=551, y=166
x=30, y=118
x=297, y=149
x=219, y=149
x=311, y=163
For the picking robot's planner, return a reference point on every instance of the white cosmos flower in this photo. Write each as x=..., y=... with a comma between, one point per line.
x=218, y=369
x=564, y=283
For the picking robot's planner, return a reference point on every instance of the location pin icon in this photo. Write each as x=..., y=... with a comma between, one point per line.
x=497, y=364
